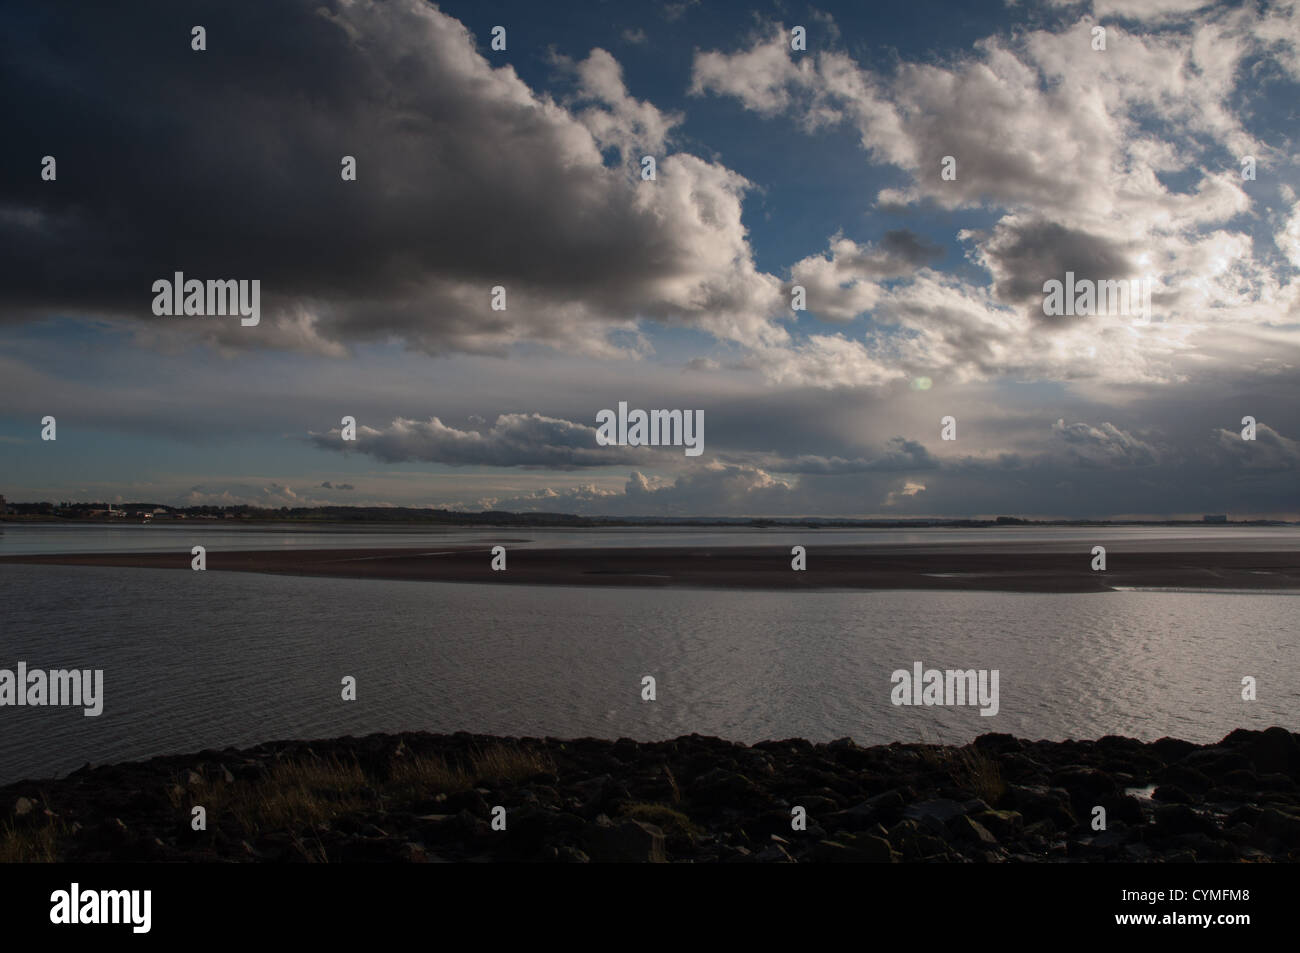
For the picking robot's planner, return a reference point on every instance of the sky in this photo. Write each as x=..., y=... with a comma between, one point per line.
x=914, y=174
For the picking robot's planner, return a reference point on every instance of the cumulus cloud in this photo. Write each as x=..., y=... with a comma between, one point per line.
x=1020, y=253
x=466, y=179
x=765, y=78
x=1078, y=176
x=909, y=489
x=1142, y=9
x=1269, y=450
x=513, y=440
x=1111, y=165
x=535, y=441
x=899, y=453
x=270, y=495
x=1076, y=469
x=1288, y=236
x=846, y=284
x=469, y=178
x=1105, y=445
x=716, y=488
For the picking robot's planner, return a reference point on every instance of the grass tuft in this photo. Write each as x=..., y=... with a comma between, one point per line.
x=667, y=819
x=970, y=769
x=30, y=845
x=294, y=794
x=508, y=763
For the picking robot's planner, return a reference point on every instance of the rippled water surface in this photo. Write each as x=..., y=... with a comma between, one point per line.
x=194, y=660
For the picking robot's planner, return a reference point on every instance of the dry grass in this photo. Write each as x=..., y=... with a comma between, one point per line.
x=293, y=794
x=981, y=773
x=313, y=791
x=970, y=770
x=432, y=774
x=508, y=763
x=33, y=841
x=30, y=845
x=302, y=795
x=296, y=794
x=424, y=775
x=667, y=819
x=313, y=853
x=672, y=783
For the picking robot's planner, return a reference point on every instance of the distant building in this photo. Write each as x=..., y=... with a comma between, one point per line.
x=1215, y=518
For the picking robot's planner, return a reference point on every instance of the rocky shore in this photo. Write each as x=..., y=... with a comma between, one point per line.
x=417, y=797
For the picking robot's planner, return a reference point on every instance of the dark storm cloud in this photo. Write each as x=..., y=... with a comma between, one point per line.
x=226, y=163
x=1022, y=256
x=903, y=245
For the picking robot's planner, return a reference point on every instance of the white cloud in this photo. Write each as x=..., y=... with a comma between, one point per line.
x=1068, y=146
x=513, y=440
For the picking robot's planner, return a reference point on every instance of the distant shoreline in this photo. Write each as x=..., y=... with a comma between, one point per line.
x=415, y=520
x=744, y=567
x=83, y=514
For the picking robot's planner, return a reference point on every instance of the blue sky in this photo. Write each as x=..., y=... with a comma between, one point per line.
x=776, y=168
